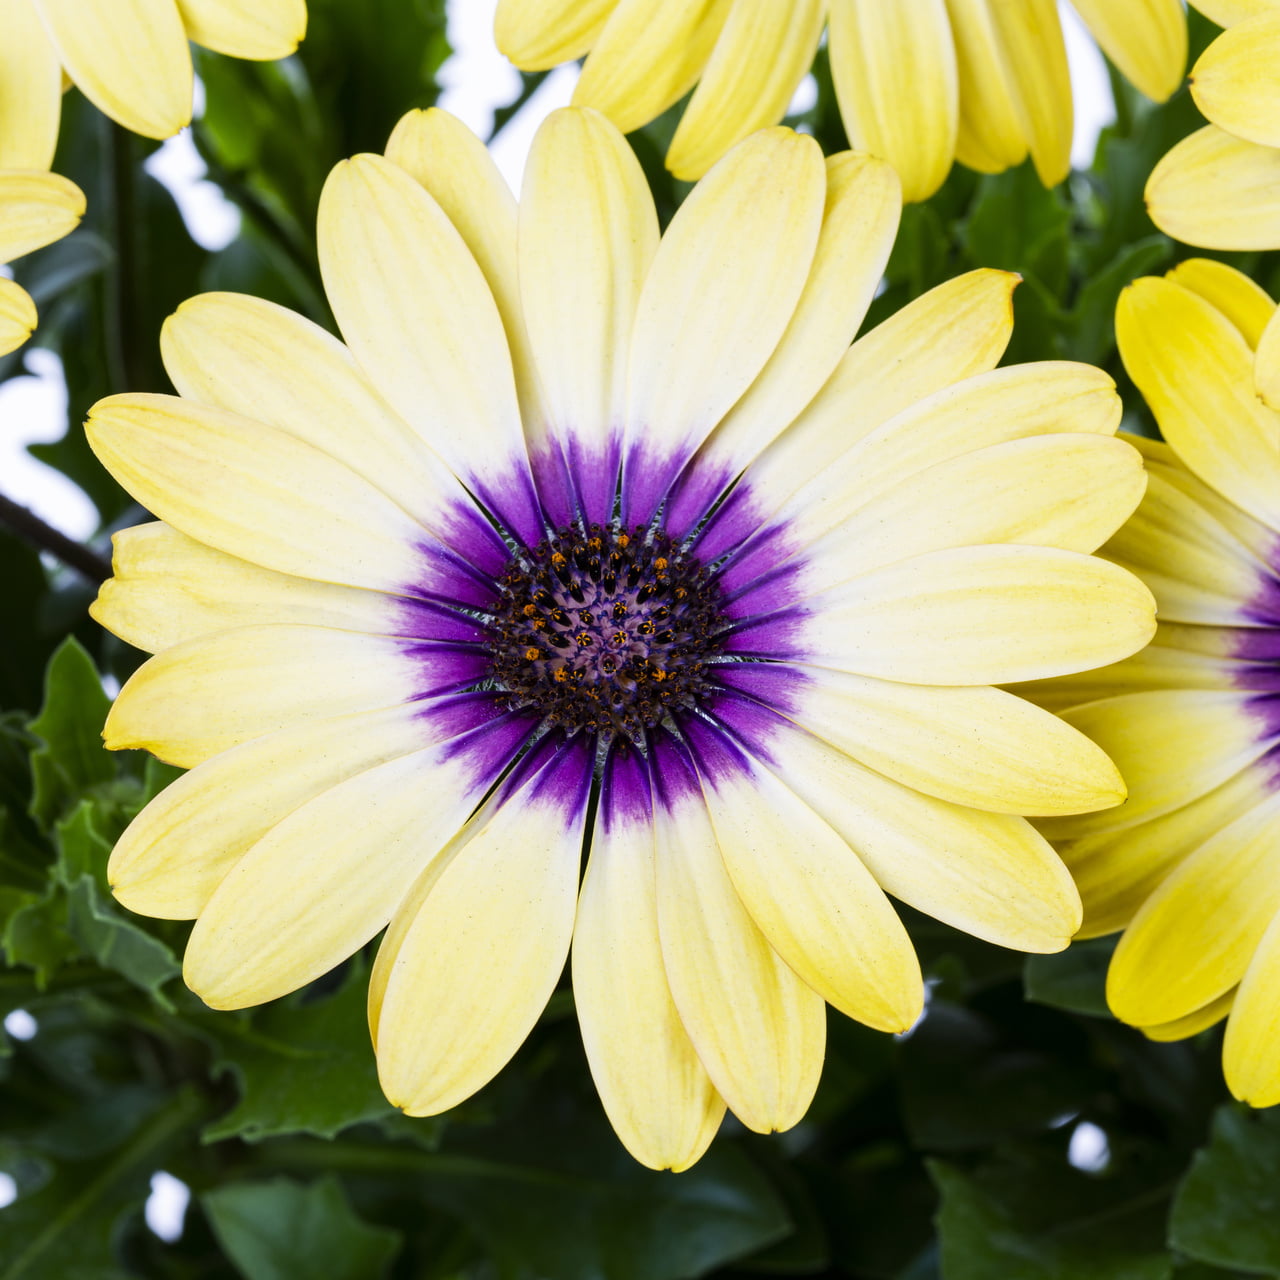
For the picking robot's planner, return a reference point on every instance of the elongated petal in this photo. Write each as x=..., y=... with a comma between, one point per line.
x=17, y=316
x=1218, y=192
x=128, y=57
x=36, y=209
x=1227, y=13
x=759, y=1031
x=976, y=746
x=655, y=1091
x=1249, y=1051
x=991, y=135
x=894, y=68
x=487, y=938
x=1236, y=82
x=648, y=56
x=30, y=89
x=540, y=34
x=1266, y=367
x=809, y=893
x=1244, y=302
x=762, y=54
x=982, y=615
x=1194, y=1023
x=1146, y=39
x=1196, y=372
x=246, y=28
x=1177, y=955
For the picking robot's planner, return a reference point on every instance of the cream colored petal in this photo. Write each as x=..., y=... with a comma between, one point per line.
x=814, y=900
x=457, y=171
x=989, y=874
x=17, y=316
x=894, y=68
x=864, y=203
x=167, y=588
x=1146, y=39
x=1227, y=13
x=246, y=28
x=977, y=746
x=1254, y=536
x=540, y=34
x=1245, y=303
x=981, y=615
x=1193, y=1023
x=1196, y=372
x=35, y=210
x=648, y=56
x=956, y=330
x=322, y=882
x=1236, y=82
x=207, y=695
x=759, y=1031
x=30, y=89
x=763, y=52
x=1194, y=937
x=588, y=234
x=1266, y=365
x=1218, y=192
x=128, y=57
x=488, y=938
x=991, y=136
x=707, y=323
x=253, y=491
x=1249, y=1056
x=655, y=1091
x=177, y=851
x=418, y=315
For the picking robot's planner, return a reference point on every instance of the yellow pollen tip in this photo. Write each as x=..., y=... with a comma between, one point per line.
x=531, y=654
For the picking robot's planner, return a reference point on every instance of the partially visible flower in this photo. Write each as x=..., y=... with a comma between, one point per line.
x=582, y=521
x=921, y=83
x=1189, y=866
x=35, y=210
x=129, y=58
x=1220, y=187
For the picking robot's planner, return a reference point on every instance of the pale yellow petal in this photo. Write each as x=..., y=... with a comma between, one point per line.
x=1218, y=192
x=539, y=34
x=1244, y=302
x=1266, y=365
x=1249, y=1056
x=35, y=210
x=1194, y=1023
x=128, y=57
x=991, y=136
x=1236, y=82
x=894, y=68
x=30, y=89
x=1146, y=39
x=17, y=316
x=246, y=28
x=763, y=52
x=1227, y=13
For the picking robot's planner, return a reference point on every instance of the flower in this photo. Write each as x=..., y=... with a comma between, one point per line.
x=35, y=210
x=921, y=83
x=128, y=57
x=1220, y=187
x=436, y=609
x=1188, y=867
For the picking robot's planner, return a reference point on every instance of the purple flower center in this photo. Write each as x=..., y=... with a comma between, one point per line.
x=605, y=630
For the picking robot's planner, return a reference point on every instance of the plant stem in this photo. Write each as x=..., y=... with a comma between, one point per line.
x=32, y=530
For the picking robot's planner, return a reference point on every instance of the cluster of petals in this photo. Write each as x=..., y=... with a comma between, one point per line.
x=920, y=83
x=1219, y=188
x=871, y=537
x=1189, y=866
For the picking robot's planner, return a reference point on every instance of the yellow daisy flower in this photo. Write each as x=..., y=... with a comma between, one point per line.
x=591, y=538
x=35, y=210
x=1220, y=187
x=1189, y=867
x=921, y=83
x=128, y=57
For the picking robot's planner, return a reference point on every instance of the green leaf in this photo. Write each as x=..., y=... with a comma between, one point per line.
x=301, y=1067
x=1019, y=225
x=280, y=1230
x=33, y=932
x=1227, y=1210
x=72, y=759
x=1074, y=979
x=1091, y=320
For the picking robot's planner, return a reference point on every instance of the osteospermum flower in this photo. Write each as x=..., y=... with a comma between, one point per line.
x=583, y=521
x=128, y=57
x=1189, y=867
x=35, y=210
x=921, y=83
x=1220, y=187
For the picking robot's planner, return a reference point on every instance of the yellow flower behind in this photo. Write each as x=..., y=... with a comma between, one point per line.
x=129, y=57
x=1189, y=866
x=35, y=210
x=1220, y=187
x=591, y=540
x=921, y=83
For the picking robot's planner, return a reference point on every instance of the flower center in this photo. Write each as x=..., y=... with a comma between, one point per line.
x=607, y=630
